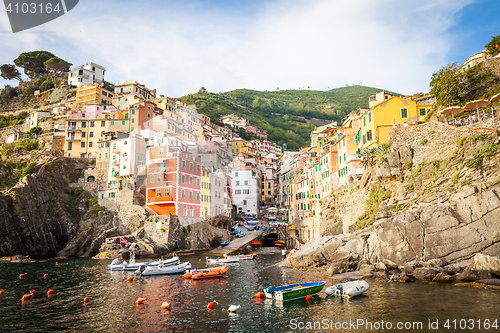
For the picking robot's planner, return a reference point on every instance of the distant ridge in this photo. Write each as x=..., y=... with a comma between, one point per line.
x=285, y=114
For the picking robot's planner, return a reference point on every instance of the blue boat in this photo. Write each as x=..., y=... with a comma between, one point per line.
x=249, y=227
x=225, y=243
x=241, y=234
x=294, y=291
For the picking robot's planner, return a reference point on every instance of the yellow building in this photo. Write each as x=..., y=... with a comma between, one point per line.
x=377, y=122
x=236, y=146
x=205, y=193
x=164, y=103
x=83, y=131
x=93, y=94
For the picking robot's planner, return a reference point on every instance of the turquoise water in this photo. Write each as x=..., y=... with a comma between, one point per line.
x=112, y=305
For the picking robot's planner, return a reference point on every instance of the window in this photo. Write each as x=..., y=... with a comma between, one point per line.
x=369, y=135
x=132, y=129
x=90, y=144
x=198, y=167
x=237, y=192
x=82, y=144
x=268, y=192
x=133, y=111
x=112, y=123
x=83, y=134
x=91, y=134
x=422, y=112
x=191, y=180
x=158, y=177
x=268, y=185
x=160, y=151
x=246, y=191
x=152, y=180
x=183, y=179
x=158, y=192
x=404, y=113
x=197, y=196
x=197, y=181
x=364, y=121
x=191, y=167
x=237, y=183
x=183, y=194
x=123, y=122
x=236, y=174
x=184, y=164
x=133, y=120
x=245, y=202
x=70, y=145
x=246, y=182
x=370, y=117
x=190, y=194
x=166, y=192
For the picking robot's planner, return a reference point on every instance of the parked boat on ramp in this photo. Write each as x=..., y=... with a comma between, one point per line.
x=208, y=273
x=163, y=270
x=250, y=256
x=294, y=291
x=118, y=265
x=348, y=289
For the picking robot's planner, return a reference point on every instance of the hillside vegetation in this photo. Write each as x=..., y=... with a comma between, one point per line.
x=285, y=114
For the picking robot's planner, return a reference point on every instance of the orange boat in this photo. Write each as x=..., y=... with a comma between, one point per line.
x=213, y=273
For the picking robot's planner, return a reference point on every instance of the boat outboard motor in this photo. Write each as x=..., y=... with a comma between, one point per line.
x=116, y=261
x=141, y=269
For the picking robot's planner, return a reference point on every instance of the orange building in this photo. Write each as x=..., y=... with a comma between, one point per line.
x=173, y=182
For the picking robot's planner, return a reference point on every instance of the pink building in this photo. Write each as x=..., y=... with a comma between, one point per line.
x=257, y=131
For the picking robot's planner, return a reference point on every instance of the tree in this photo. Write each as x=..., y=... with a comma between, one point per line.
x=10, y=72
x=493, y=47
x=57, y=66
x=446, y=85
x=202, y=90
x=32, y=62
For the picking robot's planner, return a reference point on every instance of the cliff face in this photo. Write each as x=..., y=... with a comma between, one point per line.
x=435, y=196
x=40, y=213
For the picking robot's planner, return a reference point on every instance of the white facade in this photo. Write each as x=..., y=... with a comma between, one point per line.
x=127, y=158
x=228, y=204
x=35, y=116
x=217, y=193
x=245, y=191
x=234, y=121
x=86, y=74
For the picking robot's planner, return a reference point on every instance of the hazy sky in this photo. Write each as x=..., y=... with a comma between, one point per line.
x=179, y=46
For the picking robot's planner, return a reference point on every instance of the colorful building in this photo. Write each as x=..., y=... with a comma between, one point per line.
x=93, y=94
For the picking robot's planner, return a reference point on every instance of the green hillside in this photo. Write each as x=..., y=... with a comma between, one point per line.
x=285, y=114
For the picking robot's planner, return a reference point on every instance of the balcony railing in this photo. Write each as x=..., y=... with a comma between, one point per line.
x=73, y=129
x=72, y=138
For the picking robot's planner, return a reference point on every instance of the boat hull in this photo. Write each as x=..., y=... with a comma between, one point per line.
x=295, y=291
x=222, y=261
x=213, y=273
x=173, y=269
x=348, y=289
x=135, y=266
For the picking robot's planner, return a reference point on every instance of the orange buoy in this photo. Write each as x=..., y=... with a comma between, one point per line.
x=33, y=291
x=259, y=295
x=223, y=310
x=180, y=262
x=211, y=304
x=308, y=297
x=22, y=275
x=187, y=276
x=50, y=292
x=2, y=291
x=86, y=300
x=140, y=301
x=97, y=275
x=165, y=305
x=45, y=275
x=26, y=297
x=130, y=279
x=200, y=259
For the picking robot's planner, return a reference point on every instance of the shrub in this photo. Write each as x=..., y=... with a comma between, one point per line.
x=464, y=182
x=431, y=132
x=409, y=165
x=462, y=141
x=475, y=163
x=28, y=170
x=399, y=208
x=422, y=141
x=455, y=177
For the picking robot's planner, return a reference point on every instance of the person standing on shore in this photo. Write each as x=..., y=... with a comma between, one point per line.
x=283, y=254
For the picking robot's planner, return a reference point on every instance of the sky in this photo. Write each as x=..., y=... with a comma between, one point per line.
x=178, y=46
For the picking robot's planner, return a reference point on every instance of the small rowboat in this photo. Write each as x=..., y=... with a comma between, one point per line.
x=294, y=291
x=348, y=289
x=158, y=270
x=224, y=260
x=212, y=273
x=245, y=256
x=225, y=243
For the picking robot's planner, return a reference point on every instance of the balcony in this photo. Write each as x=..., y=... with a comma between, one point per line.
x=82, y=75
x=73, y=129
x=116, y=150
x=115, y=162
x=72, y=138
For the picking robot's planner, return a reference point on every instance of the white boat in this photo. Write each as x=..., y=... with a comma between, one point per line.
x=117, y=265
x=348, y=289
x=162, y=270
x=224, y=260
x=244, y=256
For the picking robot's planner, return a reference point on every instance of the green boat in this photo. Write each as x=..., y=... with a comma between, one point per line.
x=294, y=291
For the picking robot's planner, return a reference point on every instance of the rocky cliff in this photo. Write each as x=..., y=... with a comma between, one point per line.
x=41, y=212
x=436, y=195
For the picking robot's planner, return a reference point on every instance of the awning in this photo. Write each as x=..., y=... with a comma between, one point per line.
x=255, y=242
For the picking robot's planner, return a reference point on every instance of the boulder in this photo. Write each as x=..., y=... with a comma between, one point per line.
x=390, y=265
x=490, y=282
x=344, y=265
x=452, y=269
x=380, y=275
x=488, y=263
x=425, y=273
x=442, y=278
x=380, y=266
x=471, y=275
x=365, y=267
x=410, y=266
